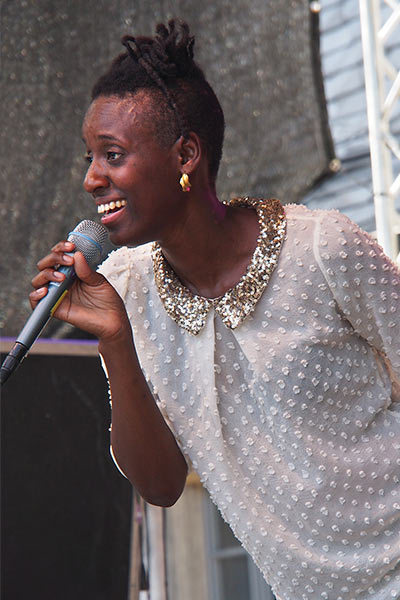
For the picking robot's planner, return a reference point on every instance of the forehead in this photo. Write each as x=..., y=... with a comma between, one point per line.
x=111, y=115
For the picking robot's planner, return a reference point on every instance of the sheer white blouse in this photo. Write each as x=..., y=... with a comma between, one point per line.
x=292, y=417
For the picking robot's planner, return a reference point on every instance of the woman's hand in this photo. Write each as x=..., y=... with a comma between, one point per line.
x=91, y=304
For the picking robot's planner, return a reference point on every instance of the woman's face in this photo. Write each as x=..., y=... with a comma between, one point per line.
x=133, y=179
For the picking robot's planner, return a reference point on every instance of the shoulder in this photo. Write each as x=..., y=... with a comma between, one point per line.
x=300, y=212
x=331, y=236
x=302, y=221
x=329, y=226
x=340, y=234
x=304, y=225
x=123, y=258
x=341, y=245
x=125, y=264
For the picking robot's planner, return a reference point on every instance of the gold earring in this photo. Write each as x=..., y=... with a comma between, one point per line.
x=185, y=183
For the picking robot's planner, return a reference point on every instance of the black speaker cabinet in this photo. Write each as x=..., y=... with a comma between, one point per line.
x=66, y=510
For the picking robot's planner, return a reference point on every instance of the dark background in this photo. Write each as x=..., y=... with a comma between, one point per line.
x=65, y=509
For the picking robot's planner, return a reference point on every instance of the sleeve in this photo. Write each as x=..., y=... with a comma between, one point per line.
x=365, y=283
x=117, y=270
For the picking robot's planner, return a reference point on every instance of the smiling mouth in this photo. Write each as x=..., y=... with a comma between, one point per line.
x=111, y=207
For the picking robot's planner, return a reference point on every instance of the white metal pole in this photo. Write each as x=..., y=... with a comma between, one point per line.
x=380, y=155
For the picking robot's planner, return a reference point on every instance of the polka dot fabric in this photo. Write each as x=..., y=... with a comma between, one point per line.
x=292, y=419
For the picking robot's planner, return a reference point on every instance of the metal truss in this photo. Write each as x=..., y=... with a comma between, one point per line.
x=380, y=23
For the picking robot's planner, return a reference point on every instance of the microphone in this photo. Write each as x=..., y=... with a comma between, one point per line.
x=89, y=238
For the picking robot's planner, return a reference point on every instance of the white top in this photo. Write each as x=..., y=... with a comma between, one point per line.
x=292, y=419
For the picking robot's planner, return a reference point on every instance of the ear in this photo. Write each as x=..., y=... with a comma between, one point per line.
x=189, y=152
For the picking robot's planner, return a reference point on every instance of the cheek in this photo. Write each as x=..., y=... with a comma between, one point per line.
x=136, y=180
x=126, y=181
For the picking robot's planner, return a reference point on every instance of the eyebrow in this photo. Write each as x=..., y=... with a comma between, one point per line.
x=104, y=136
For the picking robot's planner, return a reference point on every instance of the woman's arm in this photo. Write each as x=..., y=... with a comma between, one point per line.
x=142, y=442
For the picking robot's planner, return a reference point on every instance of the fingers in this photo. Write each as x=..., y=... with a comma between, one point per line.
x=48, y=272
x=47, y=266
x=37, y=295
x=57, y=256
x=43, y=277
x=84, y=272
x=63, y=246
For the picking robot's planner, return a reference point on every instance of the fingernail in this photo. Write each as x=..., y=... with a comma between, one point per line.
x=58, y=275
x=40, y=291
x=68, y=259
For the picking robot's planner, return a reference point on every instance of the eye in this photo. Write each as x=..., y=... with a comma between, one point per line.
x=113, y=156
x=88, y=157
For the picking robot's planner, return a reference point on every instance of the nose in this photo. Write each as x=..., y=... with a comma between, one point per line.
x=95, y=179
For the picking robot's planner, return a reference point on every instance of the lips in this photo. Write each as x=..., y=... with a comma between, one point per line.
x=110, y=207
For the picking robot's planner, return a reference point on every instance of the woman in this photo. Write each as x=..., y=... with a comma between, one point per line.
x=265, y=340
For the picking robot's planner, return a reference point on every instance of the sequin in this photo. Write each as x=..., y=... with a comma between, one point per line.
x=189, y=310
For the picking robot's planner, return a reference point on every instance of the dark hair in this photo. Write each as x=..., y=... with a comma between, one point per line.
x=185, y=101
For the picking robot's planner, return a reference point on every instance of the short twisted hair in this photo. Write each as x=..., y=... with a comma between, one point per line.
x=164, y=65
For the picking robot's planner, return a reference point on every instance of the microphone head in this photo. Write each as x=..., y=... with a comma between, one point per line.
x=89, y=237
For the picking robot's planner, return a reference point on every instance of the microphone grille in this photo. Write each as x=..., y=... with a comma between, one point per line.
x=89, y=237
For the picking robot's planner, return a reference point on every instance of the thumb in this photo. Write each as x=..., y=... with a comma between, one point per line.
x=84, y=272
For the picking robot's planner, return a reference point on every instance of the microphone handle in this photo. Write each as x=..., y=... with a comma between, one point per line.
x=37, y=322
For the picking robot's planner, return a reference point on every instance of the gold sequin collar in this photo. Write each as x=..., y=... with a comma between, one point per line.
x=189, y=310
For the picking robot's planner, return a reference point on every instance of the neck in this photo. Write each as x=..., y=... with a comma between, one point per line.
x=212, y=246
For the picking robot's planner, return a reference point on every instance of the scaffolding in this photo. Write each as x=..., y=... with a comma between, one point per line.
x=380, y=19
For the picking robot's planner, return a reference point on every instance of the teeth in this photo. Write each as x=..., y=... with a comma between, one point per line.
x=105, y=208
